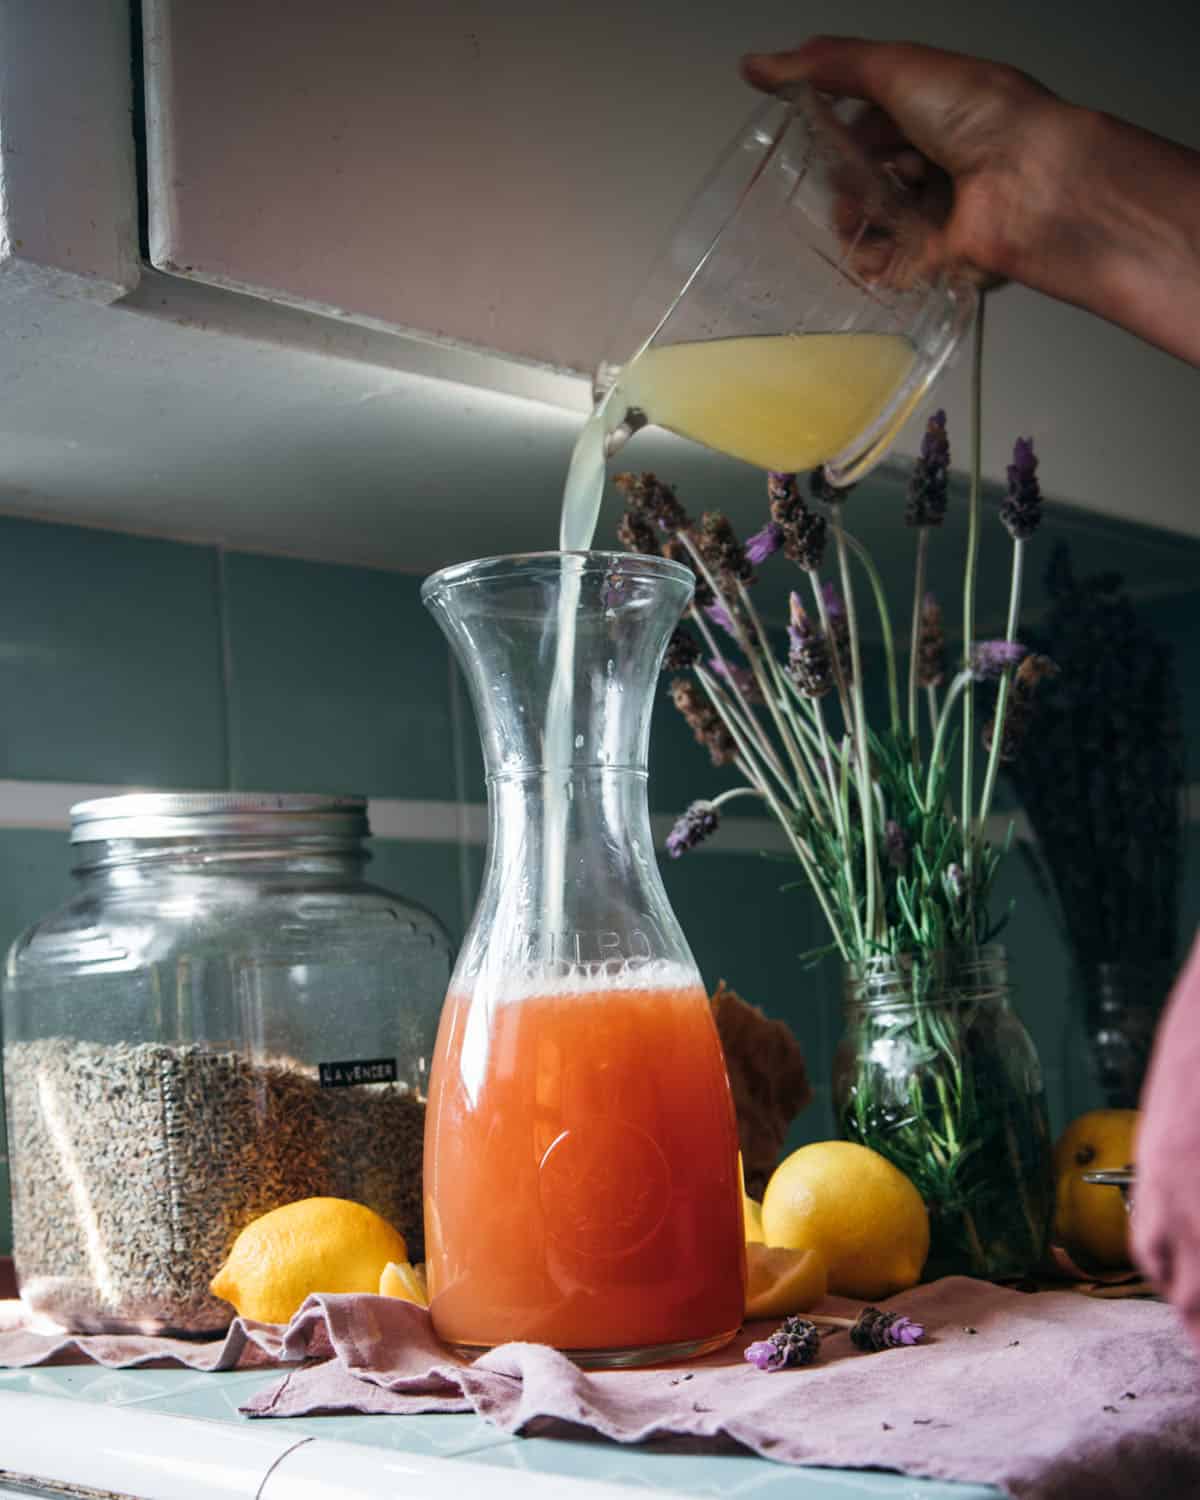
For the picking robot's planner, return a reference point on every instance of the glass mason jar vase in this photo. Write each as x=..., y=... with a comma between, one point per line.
x=937, y=1073
x=226, y=1018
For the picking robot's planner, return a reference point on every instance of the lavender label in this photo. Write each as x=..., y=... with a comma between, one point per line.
x=341, y=1075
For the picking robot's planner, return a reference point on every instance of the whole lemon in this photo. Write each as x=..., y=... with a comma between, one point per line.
x=860, y=1213
x=312, y=1245
x=1090, y=1222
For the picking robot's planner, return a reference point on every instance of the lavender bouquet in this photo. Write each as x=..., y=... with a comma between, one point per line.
x=887, y=821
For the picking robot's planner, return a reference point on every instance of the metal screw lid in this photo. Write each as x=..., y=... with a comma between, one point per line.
x=171, y=815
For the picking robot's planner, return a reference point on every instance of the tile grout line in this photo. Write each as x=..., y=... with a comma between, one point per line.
x=46, y=804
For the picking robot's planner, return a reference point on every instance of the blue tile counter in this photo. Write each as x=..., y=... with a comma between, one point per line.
x=177, y=1435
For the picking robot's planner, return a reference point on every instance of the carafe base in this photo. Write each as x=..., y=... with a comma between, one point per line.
x=623, y=1359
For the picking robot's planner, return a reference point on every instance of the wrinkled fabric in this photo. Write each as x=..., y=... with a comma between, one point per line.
x=1048, y=1396
x=1166, y=1217
x=1051, y=1395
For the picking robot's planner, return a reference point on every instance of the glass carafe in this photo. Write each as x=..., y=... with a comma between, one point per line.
x=581, y=1147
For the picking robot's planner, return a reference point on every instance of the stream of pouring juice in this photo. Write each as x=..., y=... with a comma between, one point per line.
x=582, y=1177
x=786, y=402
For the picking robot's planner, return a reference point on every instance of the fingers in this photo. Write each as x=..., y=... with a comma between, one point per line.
x=847, y=67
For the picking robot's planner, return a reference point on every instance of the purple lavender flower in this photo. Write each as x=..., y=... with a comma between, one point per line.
x=809, y=664
x=764, y=543
x=931, y=644
x=877, y=1330
x=646, y=495
x=683, y=651
x=820, y=488
x=1021, y=508
x=896, y=843
x=992, y=659
x=839, y=629
x=699, y=822
x=781, y=487
x=927, y=484
x=801, y=531
x=795, y=1342
x=719, y=615
x=741, y=679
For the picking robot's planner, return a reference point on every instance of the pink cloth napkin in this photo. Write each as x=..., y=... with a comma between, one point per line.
x=1166, y=1220
x=1046, y=1395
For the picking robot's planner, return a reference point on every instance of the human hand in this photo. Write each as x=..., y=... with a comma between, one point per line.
x=982, y=146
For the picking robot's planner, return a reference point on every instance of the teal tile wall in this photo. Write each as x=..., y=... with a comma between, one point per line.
x=110, y=661
x=129, y=661
x=339, y=681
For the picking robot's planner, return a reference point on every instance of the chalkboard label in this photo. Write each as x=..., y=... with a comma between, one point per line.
x=341, y=1075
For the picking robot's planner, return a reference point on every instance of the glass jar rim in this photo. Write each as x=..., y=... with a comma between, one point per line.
x=138, y=816
x=535, y=564
x=888, y=979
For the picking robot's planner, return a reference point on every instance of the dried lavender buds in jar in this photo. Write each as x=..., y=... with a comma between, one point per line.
x=134, y=1167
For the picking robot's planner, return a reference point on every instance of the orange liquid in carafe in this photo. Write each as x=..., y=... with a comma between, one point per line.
x=581, y=1172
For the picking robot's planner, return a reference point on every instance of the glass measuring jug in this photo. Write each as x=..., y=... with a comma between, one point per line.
x=795, y=319
x=581, y=1182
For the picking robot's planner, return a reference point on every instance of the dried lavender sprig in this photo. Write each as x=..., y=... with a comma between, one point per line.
x=683, y=651
x=991, y=659
x=931, y=645
x=809, y=663
x=1021, y=508
x=706, y=724
x=636, y=534
x=874, y=1330
x=764, y=543
x=701, y=820
x=928, y=481
x=794, y=1343
x=1014, y=726
x=647, y=495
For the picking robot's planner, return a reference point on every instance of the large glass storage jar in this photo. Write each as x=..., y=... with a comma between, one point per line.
x=226, y=1018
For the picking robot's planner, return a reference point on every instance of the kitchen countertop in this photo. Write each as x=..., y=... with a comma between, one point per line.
x=177, y=1434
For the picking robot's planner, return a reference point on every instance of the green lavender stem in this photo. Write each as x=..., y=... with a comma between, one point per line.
x=1010, y=634
x=750, y=725
x=885, y=623
x=862, y=744
x=972, y=568
x=915, y=641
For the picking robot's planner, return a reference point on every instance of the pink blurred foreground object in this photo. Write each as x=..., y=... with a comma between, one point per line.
x=1050, y=1396
x=1166, y=1216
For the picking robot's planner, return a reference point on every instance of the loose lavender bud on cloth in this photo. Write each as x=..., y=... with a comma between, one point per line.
x=699, y=822
x=795, y=1342
x=877, y=1330
x=927, y=484
x=1021, y=508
